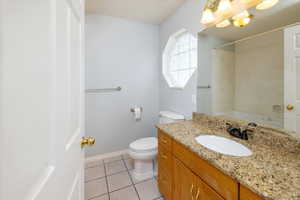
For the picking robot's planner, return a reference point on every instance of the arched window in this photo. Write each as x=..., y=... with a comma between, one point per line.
x=180, y=59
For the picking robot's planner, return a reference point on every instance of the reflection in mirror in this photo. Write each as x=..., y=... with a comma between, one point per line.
x=248, y=69
x=248, y=79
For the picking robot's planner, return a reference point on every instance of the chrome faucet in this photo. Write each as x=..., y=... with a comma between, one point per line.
x=239, y=133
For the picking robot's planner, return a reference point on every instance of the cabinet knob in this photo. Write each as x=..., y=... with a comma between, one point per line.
x=197, y=195
x=164, y=141
x=191, y=191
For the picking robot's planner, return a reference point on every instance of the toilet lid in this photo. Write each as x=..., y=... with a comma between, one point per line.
x=144, y=144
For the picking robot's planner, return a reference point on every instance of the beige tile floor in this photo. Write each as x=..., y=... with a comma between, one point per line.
x=111, y=179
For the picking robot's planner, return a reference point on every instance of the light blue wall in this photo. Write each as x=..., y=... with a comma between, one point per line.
x=120, y=53
x=188, y=17
x=117, y=55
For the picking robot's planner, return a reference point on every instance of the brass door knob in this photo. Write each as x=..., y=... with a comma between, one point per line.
x=290, y=107
x=89, y=141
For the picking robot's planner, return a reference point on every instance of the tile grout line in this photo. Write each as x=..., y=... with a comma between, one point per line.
x=97, y=196
x=120, y=189
x=97, y=165
x=119, y=173
x=105, y=176
x=103, y=163
x=131, y=180
x=95, y=179
x=134, y=184
x=106, y=180
x=136, y=192
x=115, y=172
x=109, y=192
x=121, y=158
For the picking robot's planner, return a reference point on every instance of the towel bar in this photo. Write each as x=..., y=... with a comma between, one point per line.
x=100, y=90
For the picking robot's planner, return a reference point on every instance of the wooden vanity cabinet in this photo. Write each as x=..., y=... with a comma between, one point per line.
x=182, y=175
x=214, y=178
x=188, y=186
x=165, y=141
x=246, y=194
x=165, y=185
x=185, y=182
x=165, y=166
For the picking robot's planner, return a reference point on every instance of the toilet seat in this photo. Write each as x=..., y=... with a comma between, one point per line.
x=144, y=145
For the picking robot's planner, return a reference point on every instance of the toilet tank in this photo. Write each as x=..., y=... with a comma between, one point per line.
x=169, y=117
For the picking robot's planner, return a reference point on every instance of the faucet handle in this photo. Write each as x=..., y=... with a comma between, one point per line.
x=249, y=130
x=252, y=124
x=251, y=127
x=228, y=126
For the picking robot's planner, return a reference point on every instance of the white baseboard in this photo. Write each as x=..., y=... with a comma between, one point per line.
x=105, y=155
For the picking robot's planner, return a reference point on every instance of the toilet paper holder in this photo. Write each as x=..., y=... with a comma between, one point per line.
x=132, y=109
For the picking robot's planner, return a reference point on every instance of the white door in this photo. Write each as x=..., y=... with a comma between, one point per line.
x=41, y=99
x=292, y=78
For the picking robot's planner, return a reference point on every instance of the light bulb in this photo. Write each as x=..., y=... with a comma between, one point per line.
x=224, y=6
x=242, y=22
x=207, y=16
x=241, y=15
x=247, y=1
x=223, y=24
x=265, y=4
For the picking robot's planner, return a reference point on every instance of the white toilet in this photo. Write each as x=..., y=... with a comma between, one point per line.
x=143, y=151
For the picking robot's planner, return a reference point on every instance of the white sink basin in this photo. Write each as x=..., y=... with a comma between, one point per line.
x=223, y=145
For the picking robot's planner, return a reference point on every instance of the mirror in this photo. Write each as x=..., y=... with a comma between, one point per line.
x=254, y=71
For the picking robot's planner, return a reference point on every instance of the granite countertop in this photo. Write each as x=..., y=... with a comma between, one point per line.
x=272, y=171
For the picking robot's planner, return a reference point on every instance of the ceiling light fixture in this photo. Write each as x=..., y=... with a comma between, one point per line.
x=223, y=24
x=218, y=11
x=224, y=6
x=246, y=1
x=241, y=15
x=265, y=4
x=207, y=16
x=242, y=22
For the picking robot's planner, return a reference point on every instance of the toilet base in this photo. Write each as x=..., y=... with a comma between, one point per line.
x=143, y=169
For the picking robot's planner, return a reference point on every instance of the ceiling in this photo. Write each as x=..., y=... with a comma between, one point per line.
x=147, y=11
x=286, y=12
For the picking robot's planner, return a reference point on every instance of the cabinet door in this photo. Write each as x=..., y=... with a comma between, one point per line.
x=164, y=184
x=247, y=194
x=188, y=186
x=185, y=182
x=220, y=182
x=206, y=192
x=165, y=172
